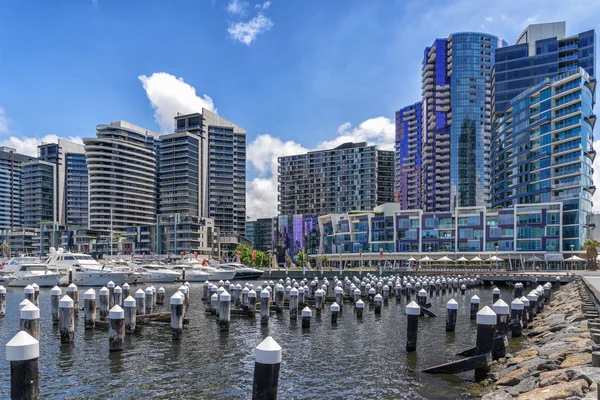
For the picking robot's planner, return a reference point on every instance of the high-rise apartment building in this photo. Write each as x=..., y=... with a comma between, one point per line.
x=352, y=176
x=407, y=188
x=262, y=233
x=541, y=51
x=71, y=180
x=180, y=184
x=122, y=176
x=38, y=193
x=456, y=118
x=222, y=168
x=11, y=206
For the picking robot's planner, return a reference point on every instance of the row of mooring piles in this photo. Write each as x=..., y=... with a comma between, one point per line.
x=493, y=327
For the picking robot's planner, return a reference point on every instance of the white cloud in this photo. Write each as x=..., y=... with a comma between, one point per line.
x=263, y=6
x=489, y=19
x=261, y=194
x=237, y=7
x=3, y=121
x=246, y=32
x=169, y=95
x=28, y=145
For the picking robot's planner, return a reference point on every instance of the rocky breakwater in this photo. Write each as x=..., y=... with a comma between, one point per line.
x=556, y=357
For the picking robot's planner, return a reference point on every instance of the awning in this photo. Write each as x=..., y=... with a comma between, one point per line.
x=462, y=259
x=476, y=258
x=535, y=258
x=426, y=258
x=554, y=257
x=445, y=258
x=494, y=258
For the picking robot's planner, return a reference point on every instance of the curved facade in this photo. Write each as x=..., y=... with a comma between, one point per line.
x=456, y=101
x=542, y=151
x=122, y=176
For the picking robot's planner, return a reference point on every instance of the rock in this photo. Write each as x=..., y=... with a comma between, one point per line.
x=513, y=378
x=497, y=395
x=577, y=359
x=559, y=391
x=552, y=377
x=548, y=365
x=526, y=385
x=525, y=355
x=590, y=374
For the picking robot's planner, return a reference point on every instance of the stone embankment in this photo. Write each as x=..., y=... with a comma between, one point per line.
x=556, y=357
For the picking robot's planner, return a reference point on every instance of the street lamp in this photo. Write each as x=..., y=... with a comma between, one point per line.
x=572, y=254
x=496, y=246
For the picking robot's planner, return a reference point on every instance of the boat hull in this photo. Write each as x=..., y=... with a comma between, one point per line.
x=247, y=275
x=47, y=280
x=94, y=278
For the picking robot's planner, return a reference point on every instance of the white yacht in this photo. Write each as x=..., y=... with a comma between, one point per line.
x=131, y=268
x=86, y=270
x=216, y=273
x=29, y=273
x=6, y=278
x=192, y=273
x=242, y=271
x=158, y=273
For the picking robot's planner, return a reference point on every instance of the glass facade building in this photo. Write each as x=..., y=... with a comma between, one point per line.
x=38, y=193
x=71, y=180
x=11, y=181
x=262, y=233
x=456, y=120
x=542, y=151
x=467, y=230
x=541, y=51
x=221, y=148
x=407, y=186
x=350, y=176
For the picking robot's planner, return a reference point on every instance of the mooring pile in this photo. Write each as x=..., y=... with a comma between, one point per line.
x=120, y=312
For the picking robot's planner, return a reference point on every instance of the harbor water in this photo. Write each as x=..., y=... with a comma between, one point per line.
x=351, y=360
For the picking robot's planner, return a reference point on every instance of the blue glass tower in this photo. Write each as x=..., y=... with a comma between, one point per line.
x=542, y=50
x=407, y=187
x=456, y=106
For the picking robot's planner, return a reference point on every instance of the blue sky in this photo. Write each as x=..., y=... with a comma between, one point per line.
x=296, y=75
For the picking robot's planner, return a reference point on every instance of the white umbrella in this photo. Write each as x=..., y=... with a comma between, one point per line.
x=462, y=259
x=574, y=258
x=445, y=258
x=412, y=259
x=494, y=258
x=476, y=258
x=426, y=258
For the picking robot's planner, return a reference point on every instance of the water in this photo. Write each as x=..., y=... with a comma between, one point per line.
x=353, y=360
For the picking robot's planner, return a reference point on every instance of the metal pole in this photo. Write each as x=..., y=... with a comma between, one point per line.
x=111, y=232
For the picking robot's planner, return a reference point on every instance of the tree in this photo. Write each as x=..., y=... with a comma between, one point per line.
x=5, y=248
x=324, y=260
x=591, y=251
x=301, y=258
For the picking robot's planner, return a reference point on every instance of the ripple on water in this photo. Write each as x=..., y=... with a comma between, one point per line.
x=353, y=360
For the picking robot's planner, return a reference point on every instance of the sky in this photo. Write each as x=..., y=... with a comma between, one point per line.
x=297, y=76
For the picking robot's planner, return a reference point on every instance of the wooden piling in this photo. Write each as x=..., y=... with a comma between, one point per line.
x=140, y=302
x=525, y=315
x=516, y=317
x=475, y=300
x=279, y=298
x=111, y=294
x=126, y=292
x=2, y=301
x=532, y=297
x=36, y=295
x=495, y=294
x=265, y=303
x=334, y=309
x=103, y=301
x=224, y=311
x=148, y=300
x=118, y=296
x=73, y=293
x=177, y=304
x=451, y=313
x=129, y=305
x=266, y=370
x=293, y=304
x=116, y=328
x=55, y=295
x=252, y=302
x=23, y=352
x=486, y=325
x=378, y=302
x=29, y=293
x=89, y=309
x=30, y=320
x=359, y=307
x=160, y=296
x=306, y=316
x=412, y=315
x=66, y=315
